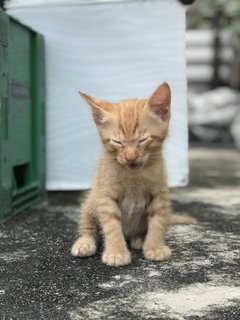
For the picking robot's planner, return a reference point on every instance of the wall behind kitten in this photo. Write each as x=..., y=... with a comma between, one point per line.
x=112, y=51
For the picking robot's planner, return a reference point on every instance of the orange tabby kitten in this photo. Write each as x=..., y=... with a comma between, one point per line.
x=129, y=199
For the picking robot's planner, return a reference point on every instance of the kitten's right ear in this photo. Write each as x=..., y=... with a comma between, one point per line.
x=99, y=114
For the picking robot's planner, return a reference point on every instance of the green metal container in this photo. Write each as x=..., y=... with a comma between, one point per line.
x=22, y=119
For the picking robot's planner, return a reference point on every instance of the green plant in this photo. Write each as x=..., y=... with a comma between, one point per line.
x=218, y=15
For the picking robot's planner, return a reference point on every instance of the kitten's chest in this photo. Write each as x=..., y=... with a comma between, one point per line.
x=134, y=200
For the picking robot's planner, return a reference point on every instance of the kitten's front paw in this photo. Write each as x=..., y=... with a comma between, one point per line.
x=116, y=258
x=157, y=253
x=84, y=247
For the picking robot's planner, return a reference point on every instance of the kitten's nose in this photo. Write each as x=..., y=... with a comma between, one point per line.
x=131, y=154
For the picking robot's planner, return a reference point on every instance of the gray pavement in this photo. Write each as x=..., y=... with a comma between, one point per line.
x=40, y=280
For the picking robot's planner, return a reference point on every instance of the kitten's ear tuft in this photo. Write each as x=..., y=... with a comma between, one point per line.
x=99, y=114
x=160, y=101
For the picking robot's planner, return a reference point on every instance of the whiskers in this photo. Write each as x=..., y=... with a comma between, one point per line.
x=143, y=161
x=109, y=156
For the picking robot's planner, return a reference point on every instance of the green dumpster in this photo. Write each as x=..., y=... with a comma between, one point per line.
x=22, y=118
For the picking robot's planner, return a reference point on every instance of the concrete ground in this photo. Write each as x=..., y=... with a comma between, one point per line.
x=39, y=279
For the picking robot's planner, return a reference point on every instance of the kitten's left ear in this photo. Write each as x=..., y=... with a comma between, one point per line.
x=160, y=101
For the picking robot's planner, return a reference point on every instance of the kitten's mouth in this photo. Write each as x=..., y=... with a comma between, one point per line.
x=134, y=165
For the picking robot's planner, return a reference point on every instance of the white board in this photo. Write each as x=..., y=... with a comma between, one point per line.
x=112, y=51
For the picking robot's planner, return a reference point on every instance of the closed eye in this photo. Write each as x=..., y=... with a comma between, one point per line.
x=117, y=142
x=142, y=140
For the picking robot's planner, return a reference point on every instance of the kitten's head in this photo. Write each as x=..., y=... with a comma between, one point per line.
x=133, y=131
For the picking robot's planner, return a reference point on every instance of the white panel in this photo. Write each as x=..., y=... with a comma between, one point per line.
x=200, y=72
x=112, y=51
x=205, y=54
x=205, y=37
x=36, y=3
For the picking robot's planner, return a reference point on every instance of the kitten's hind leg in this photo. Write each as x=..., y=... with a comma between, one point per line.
x=177, y=219
x=137, y=242
x=86, y=244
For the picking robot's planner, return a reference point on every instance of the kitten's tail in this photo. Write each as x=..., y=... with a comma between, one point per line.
x=177, y=219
